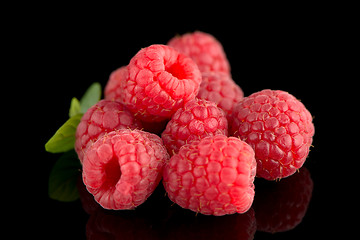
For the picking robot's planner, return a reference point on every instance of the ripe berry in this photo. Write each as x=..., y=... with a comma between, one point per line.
x=113, y=91
x=195, y=120
x=278, y=127
x=113, y=87
x=158, y=81
x=221, y=89
x=122, y=168
x=213, y=176
x=103, y=117
x=204, y=49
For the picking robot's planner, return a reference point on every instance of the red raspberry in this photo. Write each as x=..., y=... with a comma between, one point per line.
x=278, y=127
x=213, y=176
x=113, y=92
x=103, y=117
x=204, y=49
x=159, y=81
x=221, y=89
x=123, y=168
x=195, y=120
x=113, y=88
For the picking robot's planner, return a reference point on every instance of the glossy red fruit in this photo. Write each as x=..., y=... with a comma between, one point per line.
x=278, y=127
x=212, y=176
x=122, y=168
x=158, y=81
x=204, y=49
x=221, y=89
x=113, y=86
x=102, y=118
x=195, y=120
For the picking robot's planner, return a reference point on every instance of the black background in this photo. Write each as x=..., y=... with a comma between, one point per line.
x=291, y=53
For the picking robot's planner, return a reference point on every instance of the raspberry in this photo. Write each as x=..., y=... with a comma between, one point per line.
x=213, y=176
x=159, y=81
x=204, y=49
x=278, y=127
x=113, y=88
x=113, y=92
x=289, y=200
x=195, y=120
x=221, y=89
x=122, y=168
x=103, y=117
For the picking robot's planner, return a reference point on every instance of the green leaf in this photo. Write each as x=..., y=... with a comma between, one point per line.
x=64, y=138
x=74, y=107
x=91, y=97
x=63, y=178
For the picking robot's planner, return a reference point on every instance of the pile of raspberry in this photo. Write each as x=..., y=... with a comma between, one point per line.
x=174, y=114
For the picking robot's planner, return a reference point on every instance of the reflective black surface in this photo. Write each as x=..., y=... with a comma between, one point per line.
x=280, y=208
x=290, y=56
x=292, y=208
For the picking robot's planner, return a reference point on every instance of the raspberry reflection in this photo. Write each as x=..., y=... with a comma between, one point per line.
x=104, y=224
x=185, y=225
x=158, y=218
x=281, y=206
